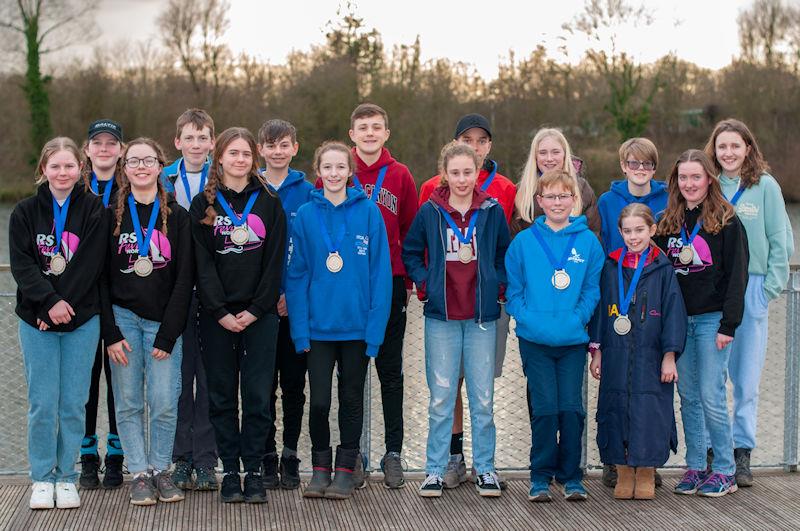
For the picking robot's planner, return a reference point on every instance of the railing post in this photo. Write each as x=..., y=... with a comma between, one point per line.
x=366, y=427
x=791, y=409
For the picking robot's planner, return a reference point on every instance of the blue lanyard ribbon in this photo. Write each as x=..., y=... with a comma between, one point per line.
x=470, y=229
x=60, y=219
x=106, y=193
x=490, y=178
x=688, y=242
x=143, y=242
x=378, y=184
x=625, y=299
x=550, y=256
x=185, y=179
x=236, y=220
x=737, y=195
x=332, y=246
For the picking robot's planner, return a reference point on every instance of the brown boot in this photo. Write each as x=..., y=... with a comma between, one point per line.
x=625, y=483
x=645, y=483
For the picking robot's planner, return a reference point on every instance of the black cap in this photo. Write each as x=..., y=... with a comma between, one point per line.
x=472, y=120
x=105, y=126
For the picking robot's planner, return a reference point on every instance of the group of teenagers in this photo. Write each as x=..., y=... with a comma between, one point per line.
x=203, y=286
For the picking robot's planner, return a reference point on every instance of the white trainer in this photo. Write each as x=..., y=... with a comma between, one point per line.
x=42, y=495
x=67, y=496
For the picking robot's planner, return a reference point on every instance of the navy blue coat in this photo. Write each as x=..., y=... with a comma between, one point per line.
x=635, y=416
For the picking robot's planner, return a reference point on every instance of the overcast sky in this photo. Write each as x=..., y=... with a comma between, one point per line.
x=476, y=32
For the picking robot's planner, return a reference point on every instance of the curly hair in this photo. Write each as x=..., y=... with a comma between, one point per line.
x=125, y=184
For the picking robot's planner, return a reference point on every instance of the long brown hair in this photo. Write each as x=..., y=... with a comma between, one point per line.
x=716, y=210
x=754, y=164
x=215, y=172
x=125, y=184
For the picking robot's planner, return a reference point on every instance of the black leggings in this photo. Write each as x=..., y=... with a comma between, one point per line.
x=290, y=371
x=100, y=363
x=352, y=361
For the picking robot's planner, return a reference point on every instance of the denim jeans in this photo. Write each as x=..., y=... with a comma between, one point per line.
x=160, y=380
x=58, y=367
x=702, y=371
x=748, y=351
x=447, y=343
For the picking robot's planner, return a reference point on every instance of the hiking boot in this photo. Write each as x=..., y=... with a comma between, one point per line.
x=574, y=490
x=270, y=477
x=690, y=481
x=167, y=490
x=143, y=491
x=488, y=485
x=392, y=469
x=254, y=489
x=90, y=466
x=624, y=488
x=112, y=479
x=205, y=478
x=321, y=474
x=342, y=485
x=456, y=472
x=182, y=474
x=290, y=472
x=231, y=491
x=539, y=491
x=744, y=478
x=431, y=487
x=609, y=476
x=717, y=485
x=645, y=483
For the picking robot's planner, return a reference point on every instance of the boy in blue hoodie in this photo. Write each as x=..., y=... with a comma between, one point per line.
x=638, y=160
x=553, y=270
x=194, y=138
x=338, y=292
x=277, y=144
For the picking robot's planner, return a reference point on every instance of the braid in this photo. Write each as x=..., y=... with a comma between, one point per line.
x=86, y=170
x=122, y=197
x=165, y=210
x=210, y=193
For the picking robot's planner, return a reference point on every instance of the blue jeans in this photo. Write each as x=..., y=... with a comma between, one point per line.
x=748, y=352
x=702, y=371
x=160, y=379
x=58, y=368
x=555, y=385
x=447, y=343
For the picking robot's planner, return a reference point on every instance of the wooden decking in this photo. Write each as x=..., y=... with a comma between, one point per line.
x=773, y=503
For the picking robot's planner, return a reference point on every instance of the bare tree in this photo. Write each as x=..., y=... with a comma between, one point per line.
x=768, y=32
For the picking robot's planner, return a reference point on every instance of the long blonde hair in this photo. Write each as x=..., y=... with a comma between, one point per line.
x=54, y=145
x=526, y=189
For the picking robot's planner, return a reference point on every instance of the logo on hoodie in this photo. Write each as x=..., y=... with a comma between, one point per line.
x=575, y=257
x=223, y=228
x=46, y=245
x=385, y=197
x=362, y=244
x=701, y=258
x=160, y=249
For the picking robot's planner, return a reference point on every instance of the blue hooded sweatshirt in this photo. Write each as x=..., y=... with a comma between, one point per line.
x=544, y=314
x=352, y=304
x=618, y=197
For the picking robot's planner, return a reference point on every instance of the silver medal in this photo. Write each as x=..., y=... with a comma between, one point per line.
x=334, y=262
x=622, y=325
x=240, y=235
x=686, y=255
x=143, y=266
x=58, y=264
x=560, y=279
x=465, y=254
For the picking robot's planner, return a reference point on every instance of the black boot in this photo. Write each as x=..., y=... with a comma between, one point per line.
x=90, y=465
x=321, y=477
x=113, y=476
x=744, y=478
x=290, y=472
x=271, y=471
x=359, y=475
x=343, y=481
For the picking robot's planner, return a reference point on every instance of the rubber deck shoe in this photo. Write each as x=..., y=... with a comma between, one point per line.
x=182, y=474
x=254, y=489
x=205, y=478
x=744, y=477
x=112, y=478
x=270, y=469
x=231, y=491
x=290, y=472
x=90, y=466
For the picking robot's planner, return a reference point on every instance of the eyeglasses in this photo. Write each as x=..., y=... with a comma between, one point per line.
x=648, y=165
x=135, y=162
x=553, y=197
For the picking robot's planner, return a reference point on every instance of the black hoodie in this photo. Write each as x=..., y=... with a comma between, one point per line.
x=32, y=244
x=164, y=295
x=232, y=278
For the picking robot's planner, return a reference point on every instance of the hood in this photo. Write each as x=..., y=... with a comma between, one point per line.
x=383, y=160
x=292, y=178
x=576, y=224
x=441, y=196
x=45, y=197
x=354, y=195
x=620, y=188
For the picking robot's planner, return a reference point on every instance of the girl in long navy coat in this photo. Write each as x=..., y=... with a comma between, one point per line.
x=641, y=329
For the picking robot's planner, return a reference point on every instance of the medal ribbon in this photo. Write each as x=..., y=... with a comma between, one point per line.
x=378, y=184
x=550, y=256
x=737, y=195
x=143, y=242
x=465, y=240
x=326, y=235
x=106, y=193
x=60, y=219
x=625, y=299
x=236, y=220
x=185, y=179
x=688, y=241
x=490, y=178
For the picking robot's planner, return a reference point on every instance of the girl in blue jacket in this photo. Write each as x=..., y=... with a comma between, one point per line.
x=338, y=291
x=553, y=270
x=640, y=324
x=464, y=234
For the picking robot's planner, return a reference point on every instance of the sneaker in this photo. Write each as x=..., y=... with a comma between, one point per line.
x=254, y=489
x=182, y=474
x=143, y=491
x=539, y=492
x=290, y=472
x=270, y=468
x=112, y=478
x=67, y=496
x=609, y=476
x=167, y=490
x=573, y=490
x=205, y=478
x=488, y=485
x=392, y=469
x=456, y=472
x=42, y=495
x=744, y=477
x=231, y=491
x=474, y=476
x=431, y=487
x=717, y=485
x=689, y=482
x=90, y=466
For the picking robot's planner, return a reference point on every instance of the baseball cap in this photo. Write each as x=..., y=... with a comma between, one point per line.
x=105, y=126
x=472, y=120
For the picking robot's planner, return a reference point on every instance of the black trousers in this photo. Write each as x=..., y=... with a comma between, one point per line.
x=101, y=363
x=389, y=365
x=194, y=435
x=290, y=373
x=231, y=359
x=352, y=361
